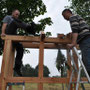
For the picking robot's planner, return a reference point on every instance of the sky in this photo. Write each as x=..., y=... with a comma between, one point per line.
x=54, y=10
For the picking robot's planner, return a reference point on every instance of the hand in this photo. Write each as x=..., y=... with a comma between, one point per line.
x=3, y=34
x=70, y=46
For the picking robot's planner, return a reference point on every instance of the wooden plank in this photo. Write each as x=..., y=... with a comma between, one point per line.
x=22, y=38
x=69, y=63
x=0, y=81
x=2, y=68
x=69, y=71
x=11, y=62
x=46, y=45
x=41, y=57
x=76, y=62
x=7, y=57
x=37, y=39
x=5, y=67
x=40, y=86
x=38, y=80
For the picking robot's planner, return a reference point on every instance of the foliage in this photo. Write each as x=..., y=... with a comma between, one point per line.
x=61, y=63
x=29, y=9
x=46, y=71
x=29, y=71
x=81, y=7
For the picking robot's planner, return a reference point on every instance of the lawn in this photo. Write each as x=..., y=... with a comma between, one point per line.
x=30, y=86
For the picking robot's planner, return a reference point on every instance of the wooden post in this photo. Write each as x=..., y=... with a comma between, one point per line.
x=76, y=62
x=11, y=64
x=5, y=63
x=0, y=81
x=69, y=63
x=41, y=57
x=69, y=71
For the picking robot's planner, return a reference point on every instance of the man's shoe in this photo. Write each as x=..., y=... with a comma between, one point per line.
x=18, y=71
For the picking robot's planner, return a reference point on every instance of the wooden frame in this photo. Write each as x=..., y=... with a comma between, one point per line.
x=41, y=42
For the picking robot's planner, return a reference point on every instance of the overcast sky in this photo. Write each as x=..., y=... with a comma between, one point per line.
x=54, y=10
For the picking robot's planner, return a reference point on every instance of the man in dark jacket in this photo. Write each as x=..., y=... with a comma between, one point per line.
x=10, y=25
x=80, y=35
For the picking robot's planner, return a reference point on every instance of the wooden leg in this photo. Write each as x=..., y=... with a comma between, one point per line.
x=11, y=63
x=69, y=71
x=41, y=55
x=0, y=82
x=76, y=62
x=5, y=63
x=40, y=86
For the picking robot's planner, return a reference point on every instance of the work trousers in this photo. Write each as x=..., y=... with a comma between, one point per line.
x=85, y=49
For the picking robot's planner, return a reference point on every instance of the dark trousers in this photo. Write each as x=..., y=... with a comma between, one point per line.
x=12, y=30
x=19, y=54
x=85, y=49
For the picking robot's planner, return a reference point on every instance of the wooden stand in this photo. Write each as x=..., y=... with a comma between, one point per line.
x=42, y=43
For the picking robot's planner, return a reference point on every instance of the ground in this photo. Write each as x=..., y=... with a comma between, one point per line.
x=46, y=87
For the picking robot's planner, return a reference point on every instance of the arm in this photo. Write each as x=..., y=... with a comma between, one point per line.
x=3, y=29
x=75, y=29
x=74, y=39
x=5, y=22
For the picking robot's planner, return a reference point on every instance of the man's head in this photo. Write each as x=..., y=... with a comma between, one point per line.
x=15, y=13
x=67, y=13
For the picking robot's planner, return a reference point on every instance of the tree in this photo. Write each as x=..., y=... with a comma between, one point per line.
x=28, y=71
x=46, y=71
x=61, y=63
x=81, y=7
x=29, y=9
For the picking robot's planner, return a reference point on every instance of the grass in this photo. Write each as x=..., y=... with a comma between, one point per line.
x=30, y=86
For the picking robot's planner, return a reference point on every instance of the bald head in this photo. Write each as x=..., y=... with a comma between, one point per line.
x=16, y=13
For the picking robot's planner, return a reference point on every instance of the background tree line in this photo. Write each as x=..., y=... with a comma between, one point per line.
x=29, y=71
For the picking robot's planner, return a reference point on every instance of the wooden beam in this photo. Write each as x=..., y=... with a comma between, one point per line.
x=40, y=86
x=21, y=38
x=0, y=82
x=5, y=65
x=46, y=45
x=38, y=80
x=41, y=57
x=37, y=39
x=69, y=63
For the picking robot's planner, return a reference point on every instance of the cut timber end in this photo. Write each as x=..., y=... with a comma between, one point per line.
x=42, y=36
x=61, y=36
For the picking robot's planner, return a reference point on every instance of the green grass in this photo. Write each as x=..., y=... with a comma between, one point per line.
x=30, y=86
